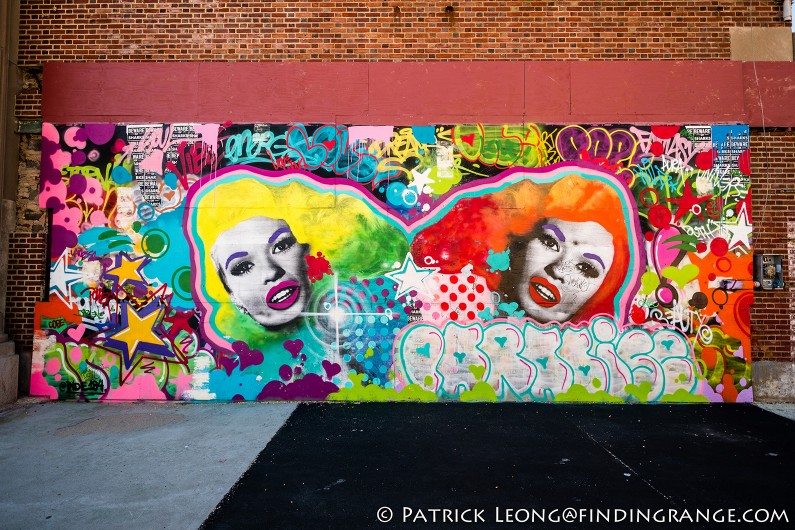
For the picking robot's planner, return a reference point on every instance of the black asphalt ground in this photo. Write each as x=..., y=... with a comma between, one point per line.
x=519, y=465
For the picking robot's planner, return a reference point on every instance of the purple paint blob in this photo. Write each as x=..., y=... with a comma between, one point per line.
x=100, y=133
x=48, y=171
x=285, y=372
x=745, y=396
x=78, y=158
x=228, y=363
x=62, y=239
x=311, y=386
x=331, y=369
x=294, y=347
x=251, y=358
x=710, y=394
x=77, y=184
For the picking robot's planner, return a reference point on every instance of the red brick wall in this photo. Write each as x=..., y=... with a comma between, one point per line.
x=26, y=271
x=773, y=188
x=390, y=30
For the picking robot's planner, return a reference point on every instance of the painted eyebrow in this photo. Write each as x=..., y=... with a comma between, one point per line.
x=555, y=230
x=595, y=258
x=277, y=233
x=233, y=256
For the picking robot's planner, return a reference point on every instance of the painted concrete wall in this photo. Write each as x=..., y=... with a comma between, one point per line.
x=472, y=262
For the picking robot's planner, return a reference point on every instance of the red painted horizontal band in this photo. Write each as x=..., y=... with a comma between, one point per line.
x=412, y=93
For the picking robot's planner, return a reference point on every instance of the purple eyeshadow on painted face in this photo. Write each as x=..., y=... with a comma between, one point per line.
x=233, y=256
x=595, y=258
x=555, y=230
x=277, y=233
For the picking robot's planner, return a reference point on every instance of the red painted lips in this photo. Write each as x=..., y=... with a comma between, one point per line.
x=543, y=293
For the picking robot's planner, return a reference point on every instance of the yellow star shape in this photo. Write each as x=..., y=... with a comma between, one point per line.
x=138, y=330
x=127, y=269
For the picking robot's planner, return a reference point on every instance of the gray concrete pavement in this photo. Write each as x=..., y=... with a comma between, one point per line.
x=131, y=465
x=782, y=409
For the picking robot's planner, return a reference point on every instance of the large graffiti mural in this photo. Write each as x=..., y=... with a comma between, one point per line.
x=447, y=262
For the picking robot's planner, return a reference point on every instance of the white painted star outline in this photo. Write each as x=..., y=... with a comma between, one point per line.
x=62, y=276
x=741, y=230
x=410, y=277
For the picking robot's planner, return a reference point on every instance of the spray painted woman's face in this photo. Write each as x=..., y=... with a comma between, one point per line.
x=263, y=267
x=565, y=264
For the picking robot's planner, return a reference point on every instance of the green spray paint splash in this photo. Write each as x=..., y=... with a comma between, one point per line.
x=580, y=394
x=481, y=391
x=640, y=393
x=683, y=396
x=360, y=392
